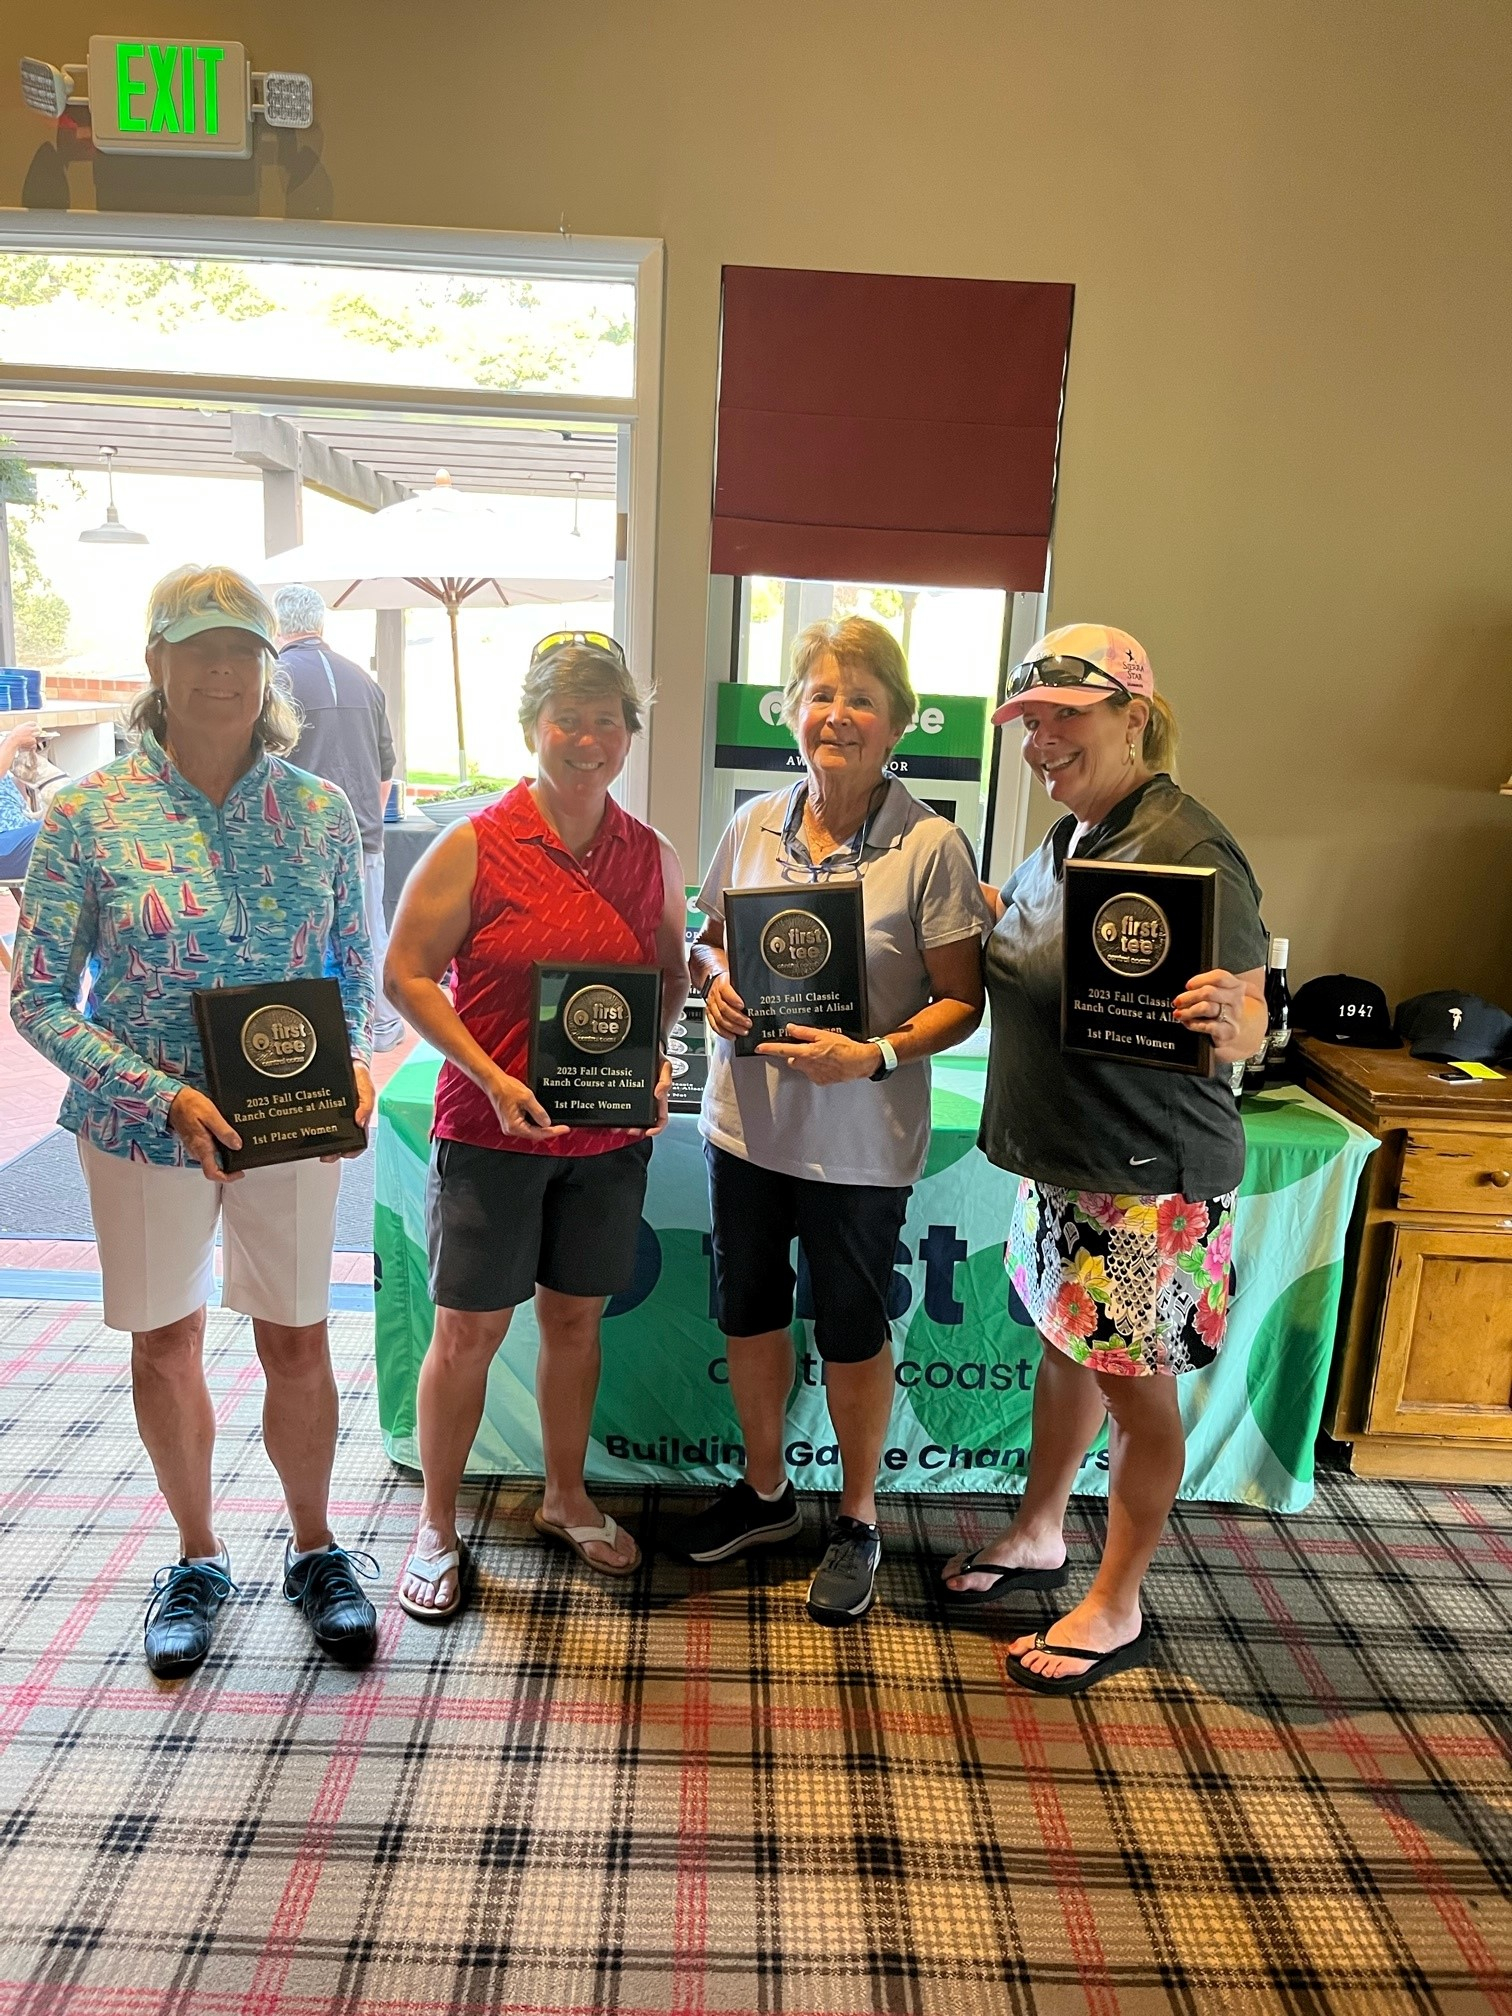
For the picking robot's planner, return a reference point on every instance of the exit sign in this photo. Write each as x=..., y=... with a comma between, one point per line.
x=170, y=97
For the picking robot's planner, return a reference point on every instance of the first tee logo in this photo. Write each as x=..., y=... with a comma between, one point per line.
x=278, y=1042
x=1131, y=935
x=796, y=945
x=596, y=1019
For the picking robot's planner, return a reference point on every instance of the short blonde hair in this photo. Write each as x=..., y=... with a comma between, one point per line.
x=853, y=640
x=194, y=590
x=578, y=672
x=1161, y=734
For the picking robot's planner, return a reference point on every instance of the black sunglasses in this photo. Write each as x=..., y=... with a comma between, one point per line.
x=1059, y=672
x=589, y=640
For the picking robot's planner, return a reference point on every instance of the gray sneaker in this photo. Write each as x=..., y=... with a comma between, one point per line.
x=844, y=1583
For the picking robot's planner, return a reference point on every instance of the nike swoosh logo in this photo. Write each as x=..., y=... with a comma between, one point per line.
x=1139, y=1161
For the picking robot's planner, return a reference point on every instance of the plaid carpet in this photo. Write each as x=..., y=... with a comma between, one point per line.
x=680, y=1797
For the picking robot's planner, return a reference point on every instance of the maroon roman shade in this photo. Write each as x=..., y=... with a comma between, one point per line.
x=888, y=427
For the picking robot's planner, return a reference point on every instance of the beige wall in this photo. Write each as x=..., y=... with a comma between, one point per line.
x=1288, y=452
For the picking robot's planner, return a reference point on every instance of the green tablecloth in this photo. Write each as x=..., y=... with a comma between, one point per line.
x=965, y=1369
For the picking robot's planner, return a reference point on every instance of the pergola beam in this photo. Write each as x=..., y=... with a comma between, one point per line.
x=289, y=458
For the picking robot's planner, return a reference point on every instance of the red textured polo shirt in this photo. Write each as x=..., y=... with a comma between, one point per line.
x=533, y=899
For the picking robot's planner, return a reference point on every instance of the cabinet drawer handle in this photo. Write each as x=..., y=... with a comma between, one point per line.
x=1499, y=1178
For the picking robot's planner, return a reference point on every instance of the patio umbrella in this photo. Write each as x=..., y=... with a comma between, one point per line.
x=440, y=546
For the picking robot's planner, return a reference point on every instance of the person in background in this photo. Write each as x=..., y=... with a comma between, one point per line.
x=19, y=826
x=515, y=1206
x=203, y=859
x=345, y=739
x=822, y=1137
x=1121, y=1237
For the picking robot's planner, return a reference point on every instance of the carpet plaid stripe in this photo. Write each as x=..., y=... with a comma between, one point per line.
x=679, y=1797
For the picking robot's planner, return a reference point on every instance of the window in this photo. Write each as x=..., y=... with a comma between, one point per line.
x=335, y=367
x=958, y=642
x=952, y=637
x=268, y=318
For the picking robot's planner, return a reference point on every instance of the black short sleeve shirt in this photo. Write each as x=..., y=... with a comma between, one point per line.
x=1076, y=1122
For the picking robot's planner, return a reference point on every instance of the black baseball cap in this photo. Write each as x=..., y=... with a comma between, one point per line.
x=1341, y=1008
x=1454, y=1028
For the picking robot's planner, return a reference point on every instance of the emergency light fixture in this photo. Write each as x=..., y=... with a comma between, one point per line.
x=191, y=98
x=44, y=89
x=287, y=99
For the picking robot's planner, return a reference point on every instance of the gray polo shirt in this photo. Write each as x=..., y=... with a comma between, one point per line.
x=1076, y=1122
x=919, y=891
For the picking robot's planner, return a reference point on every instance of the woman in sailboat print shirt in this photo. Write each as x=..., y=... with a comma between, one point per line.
x=139, y=876
x=203, y=859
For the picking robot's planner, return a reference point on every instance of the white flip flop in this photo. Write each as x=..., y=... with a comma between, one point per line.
x=580, y=1538
x=430, y=1568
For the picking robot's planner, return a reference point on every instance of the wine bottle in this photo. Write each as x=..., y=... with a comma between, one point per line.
x=1277, y=1010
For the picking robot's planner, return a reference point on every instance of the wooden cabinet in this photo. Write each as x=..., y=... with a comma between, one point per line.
x=1444, y=1366
x=1422, y=1383
x=1465, y=1172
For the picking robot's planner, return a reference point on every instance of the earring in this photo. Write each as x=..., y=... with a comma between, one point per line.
x=1129, y=751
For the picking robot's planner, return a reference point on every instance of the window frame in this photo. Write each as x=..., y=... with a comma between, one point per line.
x=417, y=248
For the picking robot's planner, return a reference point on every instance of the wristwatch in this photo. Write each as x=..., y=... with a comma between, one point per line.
x=889, y=1062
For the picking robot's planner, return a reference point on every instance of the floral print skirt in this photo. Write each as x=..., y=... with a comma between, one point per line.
x=1132, y=1285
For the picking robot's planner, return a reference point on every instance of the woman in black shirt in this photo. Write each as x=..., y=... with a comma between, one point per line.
x=1123, y=1226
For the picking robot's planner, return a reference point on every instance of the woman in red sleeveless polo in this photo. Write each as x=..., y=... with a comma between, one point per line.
x=515, y=1207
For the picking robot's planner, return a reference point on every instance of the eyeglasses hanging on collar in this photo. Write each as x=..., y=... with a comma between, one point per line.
x=848, y=859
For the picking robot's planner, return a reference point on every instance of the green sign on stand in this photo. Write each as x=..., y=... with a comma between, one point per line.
x=946, y=739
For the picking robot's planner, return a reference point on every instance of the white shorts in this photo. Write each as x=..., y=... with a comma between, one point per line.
x=155, y=1231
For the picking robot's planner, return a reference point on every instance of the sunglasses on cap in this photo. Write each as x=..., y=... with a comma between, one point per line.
x=590, y=640
x=1060, y=672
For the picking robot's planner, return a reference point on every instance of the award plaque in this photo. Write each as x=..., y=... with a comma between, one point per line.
x=278, y=1063
x=797, y=954
x=1134, y=937
x=688, y=1053
x=595, y=1044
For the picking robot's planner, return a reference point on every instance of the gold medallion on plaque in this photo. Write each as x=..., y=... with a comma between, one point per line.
x=1131, y=935
x=278, y=1042
x=596, y=1019
x=796, y=944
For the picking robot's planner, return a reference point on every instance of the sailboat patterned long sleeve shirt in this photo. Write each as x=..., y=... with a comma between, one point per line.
x=140, y=882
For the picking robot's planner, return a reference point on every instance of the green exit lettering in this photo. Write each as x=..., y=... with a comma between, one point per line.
x=177, y=84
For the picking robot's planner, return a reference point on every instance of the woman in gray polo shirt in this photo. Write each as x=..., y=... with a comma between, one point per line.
x=1122, y=1232
x=822, y=1137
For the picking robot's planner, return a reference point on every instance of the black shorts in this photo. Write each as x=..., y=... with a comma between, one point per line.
x=498, y=1222
x=849, y=1236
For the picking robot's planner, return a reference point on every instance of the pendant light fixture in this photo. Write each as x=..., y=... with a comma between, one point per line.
x=112, y=532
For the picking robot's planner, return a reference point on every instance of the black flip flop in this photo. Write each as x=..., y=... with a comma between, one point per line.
x=1008, y=1580
x=1104, y=1664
